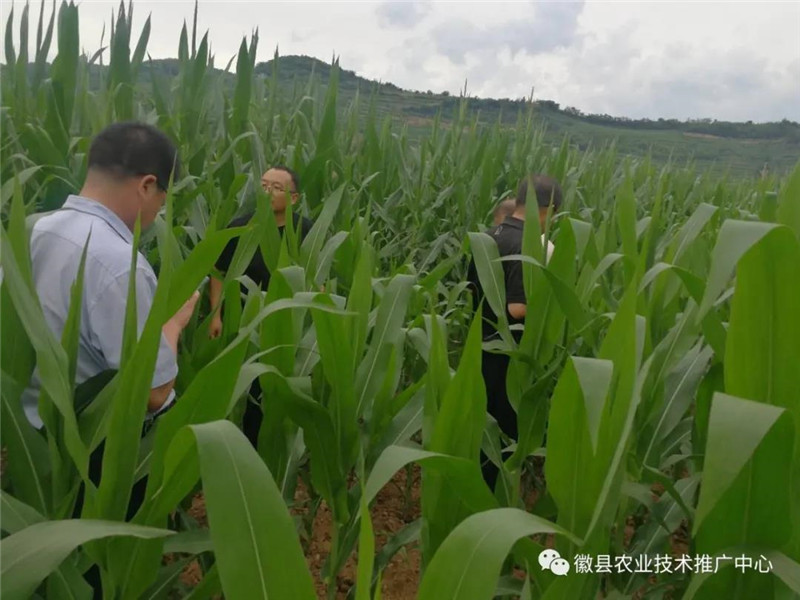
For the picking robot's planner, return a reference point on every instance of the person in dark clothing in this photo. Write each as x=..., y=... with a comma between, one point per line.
x=283, y=185
x=508, y=236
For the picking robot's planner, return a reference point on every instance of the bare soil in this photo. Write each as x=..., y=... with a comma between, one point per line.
x=391, y=511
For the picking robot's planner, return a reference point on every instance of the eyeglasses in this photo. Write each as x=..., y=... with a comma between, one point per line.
x=270, y=186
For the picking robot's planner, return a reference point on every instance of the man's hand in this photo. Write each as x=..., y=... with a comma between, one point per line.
x=172, y=331
x=181, y=318
x=174, y=327
x=517, y=310
x=215, y=329
x=215, y=293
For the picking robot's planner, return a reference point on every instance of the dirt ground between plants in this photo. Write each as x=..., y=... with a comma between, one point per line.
x=395, y=506
x=393, y=509
x=390, y=512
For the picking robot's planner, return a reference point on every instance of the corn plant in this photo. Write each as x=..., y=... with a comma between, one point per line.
x=654, y=371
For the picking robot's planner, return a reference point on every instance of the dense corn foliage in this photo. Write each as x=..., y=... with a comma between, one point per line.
x=643, y=364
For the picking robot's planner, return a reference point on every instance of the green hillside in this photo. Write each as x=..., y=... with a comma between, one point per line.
x=739, y=148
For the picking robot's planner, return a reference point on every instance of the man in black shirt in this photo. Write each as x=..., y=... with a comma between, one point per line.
x=283, y=185
x=508, y=236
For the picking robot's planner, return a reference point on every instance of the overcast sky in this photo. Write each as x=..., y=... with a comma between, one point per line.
x=725, y=60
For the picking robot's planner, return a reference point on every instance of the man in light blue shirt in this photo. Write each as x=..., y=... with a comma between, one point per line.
x=128, y=173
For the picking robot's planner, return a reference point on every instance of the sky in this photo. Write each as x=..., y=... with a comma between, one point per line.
x=736, y=61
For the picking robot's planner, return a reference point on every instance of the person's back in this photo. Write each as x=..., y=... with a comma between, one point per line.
x=508, y=236
x=128, y=173
x=57, y=243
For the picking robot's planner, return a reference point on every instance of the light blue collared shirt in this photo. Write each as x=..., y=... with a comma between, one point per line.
x=57, y=242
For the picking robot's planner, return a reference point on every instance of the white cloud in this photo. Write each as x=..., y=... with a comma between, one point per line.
x=736, y=61
x=402, y=14
x=534, y=29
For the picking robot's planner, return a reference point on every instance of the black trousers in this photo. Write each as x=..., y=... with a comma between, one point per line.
x=253, y=415
x=92, y=576
x=494, y=368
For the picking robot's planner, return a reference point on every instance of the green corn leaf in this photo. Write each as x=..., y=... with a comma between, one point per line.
x=11, y=53
x=467, y=565
x=339, y=364
x=70, y=337
x=278, y=339
x=734, y=239
x=784, y=568
x=21, y=81
x=490, y=274
x=574, y=426
x=744, y=499
x=9, y=187
x=457, y=431
x=66, y=581
x=31, y=554
x=201, y=260
x=326, y=256
x=50, y=356
x=313, y=243
x=191, y=541
x=168, y=577
x=762, y=348
x=386, y=333
x=626, y=217
x=243, y=91
x=366, y=552
x=789, y=202
x=255, y=543
x=141, y=48
x=64, y=70
x=16, y=515
x=129, y=404
x=462, y=474
x=207, y=399
x=359, y=300
x=17, y=355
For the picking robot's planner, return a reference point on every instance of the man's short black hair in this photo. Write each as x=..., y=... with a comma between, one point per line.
x=130, y=149
x=295, y=177
x=546, y=188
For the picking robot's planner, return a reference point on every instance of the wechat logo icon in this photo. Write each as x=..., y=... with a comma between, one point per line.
x=550, y=560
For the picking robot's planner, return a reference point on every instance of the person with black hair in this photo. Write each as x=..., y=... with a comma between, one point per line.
x=283, y=186
x=129, y=170
x=130, y=166
x=508, y=236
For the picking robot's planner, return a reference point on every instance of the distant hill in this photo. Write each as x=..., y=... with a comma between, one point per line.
x=742, y=149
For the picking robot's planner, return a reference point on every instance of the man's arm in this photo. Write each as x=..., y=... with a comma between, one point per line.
x=515, y=291
x=172, y=332
x=215, y=286
x=215, y=292
x=107, y=318
x=159, y=395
